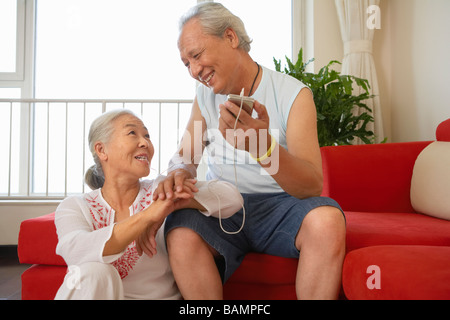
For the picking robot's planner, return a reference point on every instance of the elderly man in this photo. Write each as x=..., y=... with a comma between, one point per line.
x=275, y=158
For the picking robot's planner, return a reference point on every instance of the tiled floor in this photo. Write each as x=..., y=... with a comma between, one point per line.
x=10, y=272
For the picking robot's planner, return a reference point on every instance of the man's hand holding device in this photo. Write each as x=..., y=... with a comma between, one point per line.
x=247, y=102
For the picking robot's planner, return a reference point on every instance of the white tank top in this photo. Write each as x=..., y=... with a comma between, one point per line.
x=277, y=91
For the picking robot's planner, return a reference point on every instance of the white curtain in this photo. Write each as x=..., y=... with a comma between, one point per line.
x=357, y=33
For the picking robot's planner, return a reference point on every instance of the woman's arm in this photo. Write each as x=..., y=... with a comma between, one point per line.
x=215, y=198
x=146, y=224
x=78, y=242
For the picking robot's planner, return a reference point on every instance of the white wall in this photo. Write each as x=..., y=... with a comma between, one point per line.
x=420, y=67
x=411, y=52
x=328, y=43
x=12, y=214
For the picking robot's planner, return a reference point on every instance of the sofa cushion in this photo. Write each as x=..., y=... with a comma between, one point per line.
x=366, y=229
x=430, y=184
x=42, y=282
x=266, y=269
x=263, y=277
x=397, y=273
x=38, y=240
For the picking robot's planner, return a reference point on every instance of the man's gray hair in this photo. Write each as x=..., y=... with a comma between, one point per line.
x=215, y=20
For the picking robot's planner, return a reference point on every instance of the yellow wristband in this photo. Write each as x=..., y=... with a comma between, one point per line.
x=268, y=153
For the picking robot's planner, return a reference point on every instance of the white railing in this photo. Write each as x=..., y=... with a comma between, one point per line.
x=43, y=147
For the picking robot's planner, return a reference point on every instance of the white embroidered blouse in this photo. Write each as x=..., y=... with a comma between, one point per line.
x=85, y=223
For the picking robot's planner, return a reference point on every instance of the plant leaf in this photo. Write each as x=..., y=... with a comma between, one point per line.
x=335, y=102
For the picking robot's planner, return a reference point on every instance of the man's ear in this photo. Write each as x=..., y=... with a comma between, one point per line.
x=100, y=150
x=232, y=37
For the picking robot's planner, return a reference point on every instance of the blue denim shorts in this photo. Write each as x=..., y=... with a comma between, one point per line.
x=272, y=222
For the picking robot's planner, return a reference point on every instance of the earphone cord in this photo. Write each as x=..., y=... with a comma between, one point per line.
x=235, y=178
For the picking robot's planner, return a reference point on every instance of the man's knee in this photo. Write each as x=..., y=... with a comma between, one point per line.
x=323, y=225
x=184, y=240
x=179, y=236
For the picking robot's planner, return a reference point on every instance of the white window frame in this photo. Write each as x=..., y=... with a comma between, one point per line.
x=23, y=79
x=23, y=76
x=299, y=26
x=18, y=74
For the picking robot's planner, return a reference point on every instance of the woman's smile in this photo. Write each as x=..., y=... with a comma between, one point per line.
x=144, y=158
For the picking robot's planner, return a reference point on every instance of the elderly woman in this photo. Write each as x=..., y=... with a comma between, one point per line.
x=103, y=234
x=281, y=186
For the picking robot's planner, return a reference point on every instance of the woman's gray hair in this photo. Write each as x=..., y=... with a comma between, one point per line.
x=216, y=19
x=101, y=131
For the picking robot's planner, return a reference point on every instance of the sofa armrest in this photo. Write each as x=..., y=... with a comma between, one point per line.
x=37, y=241
x=371, y=178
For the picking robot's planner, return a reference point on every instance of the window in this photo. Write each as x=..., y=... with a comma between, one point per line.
x=110, y=50
x=128, y=49
x=12, y=32
x=8, y=35
x=104, y=49
x=87, y=50
x=269, y=25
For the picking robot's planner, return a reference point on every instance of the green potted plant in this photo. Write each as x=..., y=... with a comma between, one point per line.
x=334, y=99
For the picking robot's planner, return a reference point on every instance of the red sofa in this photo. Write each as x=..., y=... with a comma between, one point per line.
x=372, y=184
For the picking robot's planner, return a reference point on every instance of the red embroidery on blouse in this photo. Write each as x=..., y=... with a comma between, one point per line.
x=102, y=217
x=127, y=261
x=145, y=201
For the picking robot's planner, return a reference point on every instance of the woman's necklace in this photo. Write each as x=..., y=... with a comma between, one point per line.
x=254, y=81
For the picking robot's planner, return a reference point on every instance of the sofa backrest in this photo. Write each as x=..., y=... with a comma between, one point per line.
x=371, y=178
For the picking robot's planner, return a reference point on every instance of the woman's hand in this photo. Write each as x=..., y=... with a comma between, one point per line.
x=176, y=181
x=159, y=210
x=250, y=133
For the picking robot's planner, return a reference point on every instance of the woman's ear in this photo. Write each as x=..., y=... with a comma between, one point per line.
x=232, y=37
x=100, y=150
